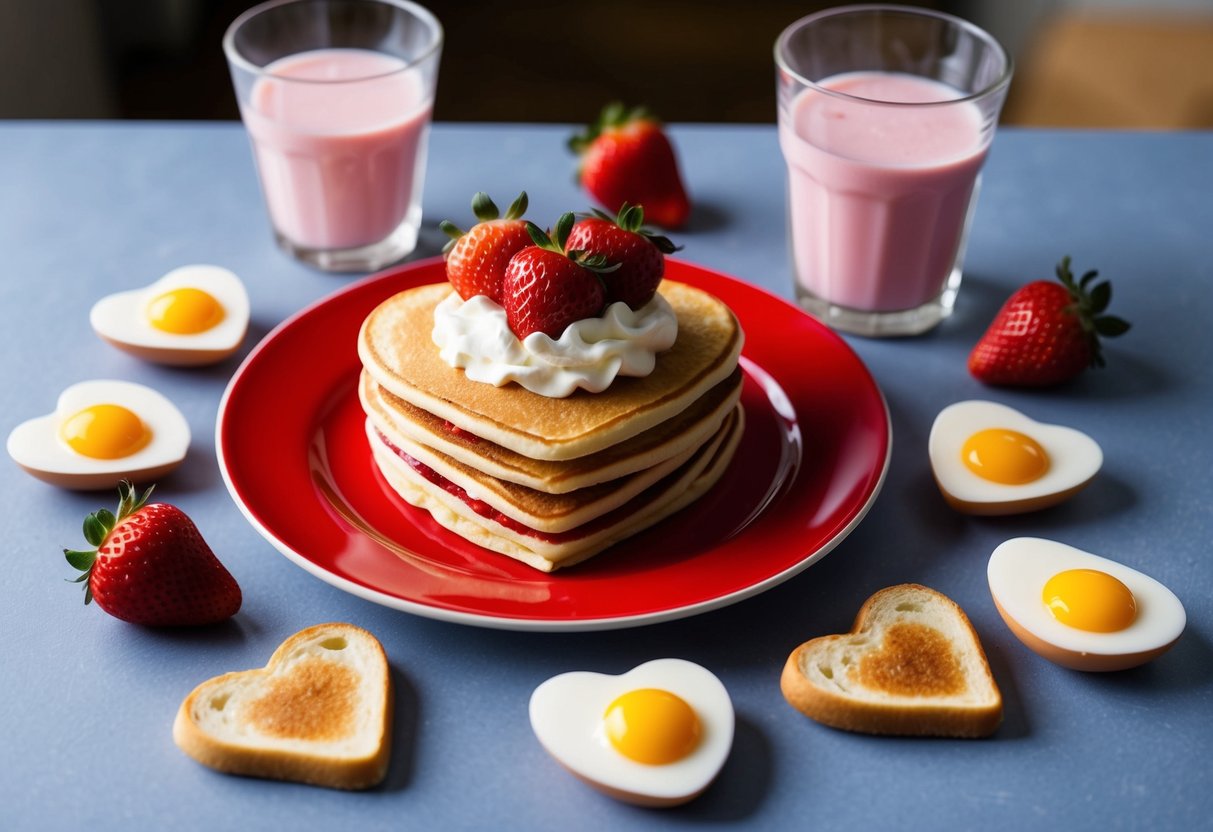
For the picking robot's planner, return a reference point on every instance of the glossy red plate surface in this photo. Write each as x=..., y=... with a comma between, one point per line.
x=810, y=464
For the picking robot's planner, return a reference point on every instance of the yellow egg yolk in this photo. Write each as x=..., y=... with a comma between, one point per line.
x=652, y=726
x=105, y=431
x=1005, y=456
x=184, y=311
x=1090, y=600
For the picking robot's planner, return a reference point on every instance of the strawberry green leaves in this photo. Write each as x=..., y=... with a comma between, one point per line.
x=1090, y=301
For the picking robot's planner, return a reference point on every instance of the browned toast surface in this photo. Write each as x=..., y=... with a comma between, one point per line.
x=330, y=692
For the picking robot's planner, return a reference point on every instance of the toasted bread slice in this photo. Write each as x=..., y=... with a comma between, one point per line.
x=396, y=348
x=405, y=424
x=548, y=552
x=319, y=712
x=911, y=665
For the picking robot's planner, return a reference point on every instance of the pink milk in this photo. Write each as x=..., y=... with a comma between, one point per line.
x=880, y=193
x=338, y=156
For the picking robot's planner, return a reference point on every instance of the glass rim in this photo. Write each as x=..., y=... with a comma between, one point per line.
x=236, y=59
x=999, y=84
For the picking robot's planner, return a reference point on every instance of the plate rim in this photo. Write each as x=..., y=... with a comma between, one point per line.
x=521, y=623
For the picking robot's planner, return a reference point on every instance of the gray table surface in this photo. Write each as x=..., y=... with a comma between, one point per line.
x=86, y=701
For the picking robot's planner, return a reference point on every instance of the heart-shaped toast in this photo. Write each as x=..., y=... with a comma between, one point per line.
x=911, y=665
x=319, y=712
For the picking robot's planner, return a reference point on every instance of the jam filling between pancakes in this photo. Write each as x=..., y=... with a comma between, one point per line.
x=641, y=500
x=455, y=430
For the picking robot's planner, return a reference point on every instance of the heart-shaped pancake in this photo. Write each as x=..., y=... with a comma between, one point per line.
x=391, y=341
x=319, y=712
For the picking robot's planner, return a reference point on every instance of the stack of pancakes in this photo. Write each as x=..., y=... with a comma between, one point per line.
x=550, y=481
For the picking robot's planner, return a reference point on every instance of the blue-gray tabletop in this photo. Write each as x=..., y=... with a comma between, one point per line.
x=87, y=701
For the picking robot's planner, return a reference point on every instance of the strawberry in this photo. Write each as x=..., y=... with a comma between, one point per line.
x=546, y=289
x=624, y=240
x=627, y=157
x=476, y=259
x=1046, y=332
x=152, y=567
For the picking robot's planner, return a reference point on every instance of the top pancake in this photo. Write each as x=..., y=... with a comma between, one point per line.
x=397, y=350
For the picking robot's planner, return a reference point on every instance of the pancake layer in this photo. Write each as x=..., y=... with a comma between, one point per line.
x=550, y=481
x=396, y=349
x=546, y=552
x=408, y=426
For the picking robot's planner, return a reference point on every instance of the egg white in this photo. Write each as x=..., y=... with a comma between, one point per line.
x=122, y=320
x=1074, y=459
x=37, y=447
x=567, y=714
x=1019, y=569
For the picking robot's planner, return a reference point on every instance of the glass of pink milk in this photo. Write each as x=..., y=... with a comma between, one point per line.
x=886, y=114
x=336, y=97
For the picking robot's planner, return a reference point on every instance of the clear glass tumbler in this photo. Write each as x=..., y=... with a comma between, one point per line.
x=336, y=96
x=886, y=114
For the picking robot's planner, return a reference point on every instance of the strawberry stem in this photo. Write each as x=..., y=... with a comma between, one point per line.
x=81, y=560
x=1089, y=300
x=97, y=527
x=556, y=240
x=540, y=237
x=559, y=237
x=517, y=207
x=484, y=209
x=613, y=115
x=631, y=218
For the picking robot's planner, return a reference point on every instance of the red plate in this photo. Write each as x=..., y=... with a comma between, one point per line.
x=294, y=455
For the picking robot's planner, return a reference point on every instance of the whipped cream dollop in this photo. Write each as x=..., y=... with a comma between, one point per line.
x=473, y=335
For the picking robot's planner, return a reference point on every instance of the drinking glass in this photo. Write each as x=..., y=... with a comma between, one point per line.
x=886, y=114
x=336, y=97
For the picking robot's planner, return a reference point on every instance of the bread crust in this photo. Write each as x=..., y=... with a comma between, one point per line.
x=906, y=713
x=306, y=766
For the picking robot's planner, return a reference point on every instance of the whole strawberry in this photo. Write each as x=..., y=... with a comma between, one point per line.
x=627, y=157
x=476, y=259
x=152, y=567
x=547, y=288
x=1046, y=332
x=624, y=240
